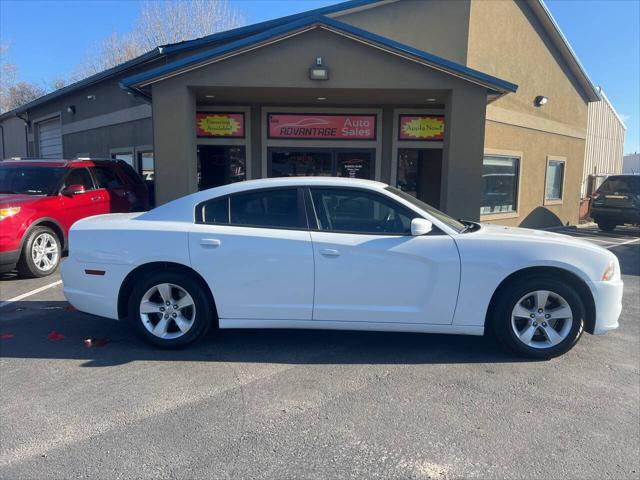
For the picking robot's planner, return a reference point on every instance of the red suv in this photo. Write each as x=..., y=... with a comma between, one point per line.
x=41, y=199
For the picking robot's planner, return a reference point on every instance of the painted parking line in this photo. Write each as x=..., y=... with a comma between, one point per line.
x=30, y=293
x=624, y=243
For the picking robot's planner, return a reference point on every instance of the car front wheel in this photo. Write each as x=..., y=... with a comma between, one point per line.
x=40, y=254
x=170, y=310
x=539, y=317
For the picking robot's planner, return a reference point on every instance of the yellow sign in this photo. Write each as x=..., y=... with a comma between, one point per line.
x=220, y=125
x=423, y=127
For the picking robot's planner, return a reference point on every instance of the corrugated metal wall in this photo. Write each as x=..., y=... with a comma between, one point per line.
x=604, y=147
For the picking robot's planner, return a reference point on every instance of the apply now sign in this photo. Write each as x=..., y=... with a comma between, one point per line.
x=322, y=126
x=421, y=127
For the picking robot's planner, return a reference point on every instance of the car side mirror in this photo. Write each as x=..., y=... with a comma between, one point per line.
x=420, y=226
x=72, y=190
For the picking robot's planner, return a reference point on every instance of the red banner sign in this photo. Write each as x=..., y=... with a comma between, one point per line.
x=421, y=127
x=322, y=126
x=220, y=125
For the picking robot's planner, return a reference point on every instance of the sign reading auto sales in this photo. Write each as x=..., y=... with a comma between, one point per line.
x=421, y=127
x=220, y=125
x=322, y=126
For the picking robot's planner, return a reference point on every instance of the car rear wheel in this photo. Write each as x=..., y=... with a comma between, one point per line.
x=40, y=254
x=170, y=310
x=606, y=226
x=540, y=317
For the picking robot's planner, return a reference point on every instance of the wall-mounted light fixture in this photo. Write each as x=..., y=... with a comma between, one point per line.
x=71, y=109
x=91, y=97
x=540, y=101
x=319, y=71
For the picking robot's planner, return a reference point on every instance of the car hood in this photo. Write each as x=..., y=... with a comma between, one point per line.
x=517, y=234
x=17, y=199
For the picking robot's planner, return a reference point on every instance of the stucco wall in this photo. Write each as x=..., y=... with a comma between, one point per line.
x=435, y=26
x=506, y=40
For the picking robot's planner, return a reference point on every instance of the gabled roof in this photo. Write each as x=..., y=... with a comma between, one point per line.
x=136, y=82
x=538, y=8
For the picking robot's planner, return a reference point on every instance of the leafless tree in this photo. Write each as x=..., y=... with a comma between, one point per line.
x=160, y=22
x=14, y=93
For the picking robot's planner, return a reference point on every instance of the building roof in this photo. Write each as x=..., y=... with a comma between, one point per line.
x=135, y=82
x=538, y=7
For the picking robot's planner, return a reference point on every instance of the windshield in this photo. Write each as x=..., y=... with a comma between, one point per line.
x=621, y=185
x=443, y=217
x=30, y=180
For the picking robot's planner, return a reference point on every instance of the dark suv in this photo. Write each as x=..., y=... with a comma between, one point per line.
x=41, y=199
x=616, y=202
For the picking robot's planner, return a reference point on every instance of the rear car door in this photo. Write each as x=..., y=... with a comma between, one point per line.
x=111, y=190
x=79, y=205
x=254, y=250
x=368, y=266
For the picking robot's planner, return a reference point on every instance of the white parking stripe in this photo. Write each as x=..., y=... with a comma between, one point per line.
x=623, y=243
x=28, y=294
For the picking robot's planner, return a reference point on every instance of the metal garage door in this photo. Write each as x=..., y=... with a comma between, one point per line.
x=50, y=139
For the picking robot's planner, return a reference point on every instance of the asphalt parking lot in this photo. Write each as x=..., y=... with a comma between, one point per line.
x=283, y=404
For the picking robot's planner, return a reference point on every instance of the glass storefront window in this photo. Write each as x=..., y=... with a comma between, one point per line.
x=554, y=181
x=499, y=184
x=320, y=162
x=220, y=165
x=353, y=165
x=301, y=163
x=126, y=156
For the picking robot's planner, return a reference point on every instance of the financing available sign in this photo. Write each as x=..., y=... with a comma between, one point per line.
x=220, y=125
x=320, y=126
x=421, y=127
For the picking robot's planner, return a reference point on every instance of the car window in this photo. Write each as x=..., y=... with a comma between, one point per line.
x=216, y=211
x=130, y=173
x=30, y=180
x=620, y=185
x=358, y=211
x=106, y=177
x=277, y=208
x=79, y=176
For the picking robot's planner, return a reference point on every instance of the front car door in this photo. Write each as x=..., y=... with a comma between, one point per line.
x=80, y=205
x=368, y=267
x=254, y=250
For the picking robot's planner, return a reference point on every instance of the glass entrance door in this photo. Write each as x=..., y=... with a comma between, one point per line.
x=220, y=165
x=335, y=162
x=420, y=173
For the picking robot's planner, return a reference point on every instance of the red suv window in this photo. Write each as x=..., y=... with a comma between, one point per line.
x=106, y=177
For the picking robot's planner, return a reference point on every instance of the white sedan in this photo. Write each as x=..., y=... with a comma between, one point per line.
x=328, y=253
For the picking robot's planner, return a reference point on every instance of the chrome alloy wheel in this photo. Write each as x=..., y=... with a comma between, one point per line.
x=541, y=319
x=45, y=252
x=167, y=311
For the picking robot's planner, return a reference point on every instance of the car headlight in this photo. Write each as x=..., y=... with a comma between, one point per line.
x=8, y=212
x=609, y=272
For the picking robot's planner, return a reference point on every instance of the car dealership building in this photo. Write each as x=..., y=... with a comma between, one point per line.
x=477, y=107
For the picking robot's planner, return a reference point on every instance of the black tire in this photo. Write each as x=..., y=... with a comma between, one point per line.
x=506, y=302
x=606, y=226
x=26, y=266
x=202, y=317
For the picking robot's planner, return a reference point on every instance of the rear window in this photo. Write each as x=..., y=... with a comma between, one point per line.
x=106, y=177
x=267, y=208
x=614, y=185
x=130, y=172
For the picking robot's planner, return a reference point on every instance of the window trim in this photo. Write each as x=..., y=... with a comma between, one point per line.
x=348, y=232
x=302, y=216
x=512, y=154
x=555, y=201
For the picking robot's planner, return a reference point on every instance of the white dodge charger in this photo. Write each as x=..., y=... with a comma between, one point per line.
x=328, y=253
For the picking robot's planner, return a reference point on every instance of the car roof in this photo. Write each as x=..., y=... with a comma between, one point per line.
x=47, y=162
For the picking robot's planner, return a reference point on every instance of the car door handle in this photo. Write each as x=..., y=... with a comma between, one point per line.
x=95, y=199
x=210, y=242
x=329, y=252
